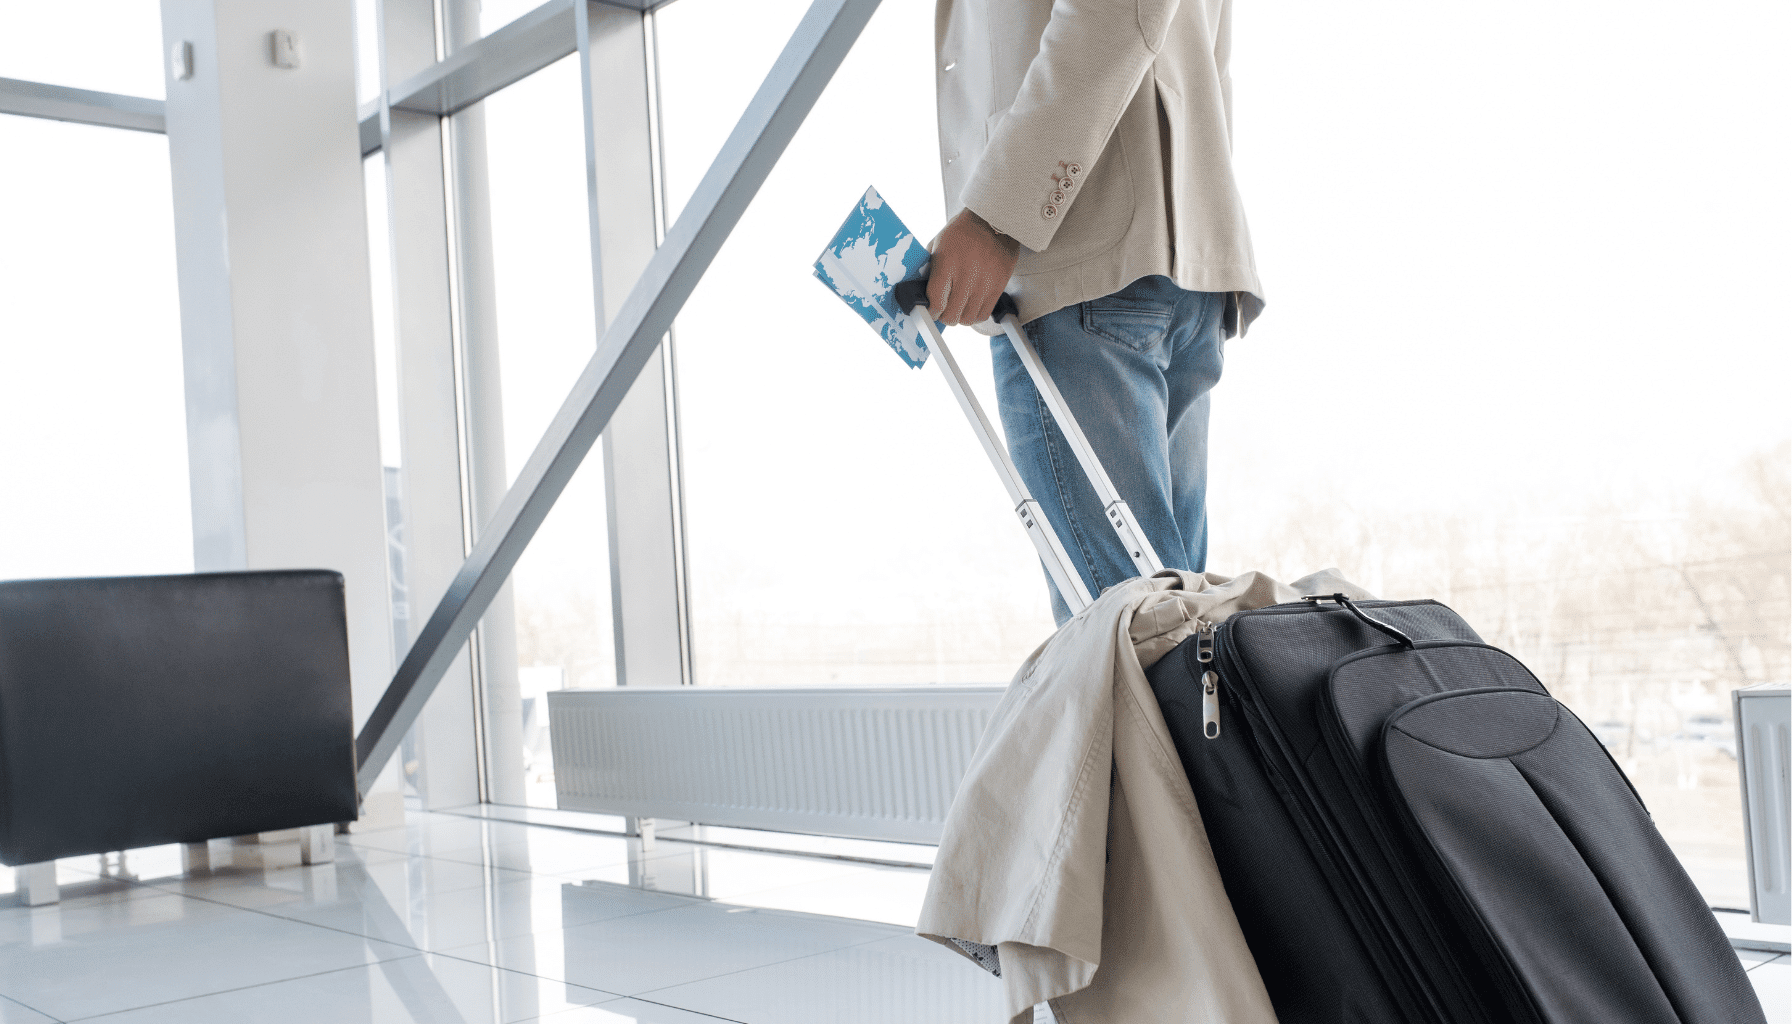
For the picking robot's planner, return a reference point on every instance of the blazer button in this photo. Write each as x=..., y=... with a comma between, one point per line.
x=1075, y=169
x=1066, y=183
x=1057, y=197
x=1049, y=211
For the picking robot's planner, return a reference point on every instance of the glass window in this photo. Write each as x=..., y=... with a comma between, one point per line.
x=1524, y=353
x=367, y=50
x=495, y=14
x=811, y=450
x=385, y=366
x=541, y=252
x=91, y=394
x=106, y=45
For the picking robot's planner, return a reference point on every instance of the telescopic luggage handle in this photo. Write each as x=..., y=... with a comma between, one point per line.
x=1045, y=540
x=912, y=293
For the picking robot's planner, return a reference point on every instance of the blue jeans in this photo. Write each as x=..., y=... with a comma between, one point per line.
x=1136, y=369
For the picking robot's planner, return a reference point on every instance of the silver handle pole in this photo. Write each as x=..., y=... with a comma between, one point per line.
x=1119, y=515
x=1044, y=538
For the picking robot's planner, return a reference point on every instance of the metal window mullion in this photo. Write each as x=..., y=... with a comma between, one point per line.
x=649, y=602
x=674, y=425
x=492, y=653
x=463, y=433
x=432, y=381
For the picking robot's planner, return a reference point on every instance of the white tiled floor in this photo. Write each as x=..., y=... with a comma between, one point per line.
x=455, y=920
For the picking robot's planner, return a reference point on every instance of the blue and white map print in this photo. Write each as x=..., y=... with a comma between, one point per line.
x=872, y=253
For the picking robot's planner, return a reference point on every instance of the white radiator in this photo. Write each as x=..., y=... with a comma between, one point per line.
x=1763, y=739
x=865, y=763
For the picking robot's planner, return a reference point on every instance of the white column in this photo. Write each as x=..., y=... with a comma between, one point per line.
x=276, y=307
x=642, y=476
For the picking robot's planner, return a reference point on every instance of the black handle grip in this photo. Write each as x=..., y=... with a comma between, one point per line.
x=913, y=292
x=1401, y=638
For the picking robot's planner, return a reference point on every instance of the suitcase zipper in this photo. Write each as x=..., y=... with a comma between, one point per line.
x=1284, y=773
x=1210, y=681
x=1371, y=803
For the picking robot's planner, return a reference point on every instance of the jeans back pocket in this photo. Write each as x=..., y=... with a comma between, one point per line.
x=1138, y=327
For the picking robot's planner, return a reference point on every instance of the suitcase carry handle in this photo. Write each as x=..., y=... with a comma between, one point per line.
x=1350, y=606
x=913, y=293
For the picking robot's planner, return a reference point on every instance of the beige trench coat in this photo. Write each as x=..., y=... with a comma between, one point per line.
x=1074, y=845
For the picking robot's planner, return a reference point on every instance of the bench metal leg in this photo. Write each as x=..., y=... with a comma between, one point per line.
x=38, y=882
x=195, y=857
x=317, y=844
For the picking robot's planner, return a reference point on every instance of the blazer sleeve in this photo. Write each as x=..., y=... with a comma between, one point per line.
x=1091, y=59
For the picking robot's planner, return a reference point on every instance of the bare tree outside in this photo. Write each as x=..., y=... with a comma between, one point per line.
x=1641, y=618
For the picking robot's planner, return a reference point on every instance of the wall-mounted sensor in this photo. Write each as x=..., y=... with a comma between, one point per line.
x=180, y=60
x=285, y=44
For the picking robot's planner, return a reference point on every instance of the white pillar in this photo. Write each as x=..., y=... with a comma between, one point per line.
x=642, y=475
x=276, y=307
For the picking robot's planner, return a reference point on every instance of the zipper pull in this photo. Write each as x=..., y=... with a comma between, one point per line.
x=1210, y=704
x=1210, y=682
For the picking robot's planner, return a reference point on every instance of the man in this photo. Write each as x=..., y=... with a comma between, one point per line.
x=1086, y=147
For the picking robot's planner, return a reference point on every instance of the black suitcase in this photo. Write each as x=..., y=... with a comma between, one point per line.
x=1411, y=829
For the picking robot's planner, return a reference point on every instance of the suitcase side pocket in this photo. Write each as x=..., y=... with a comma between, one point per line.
x=1546, y=856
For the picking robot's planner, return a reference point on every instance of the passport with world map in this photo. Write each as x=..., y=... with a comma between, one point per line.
x=871, y=254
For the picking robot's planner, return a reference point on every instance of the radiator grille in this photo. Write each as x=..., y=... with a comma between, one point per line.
x=866, y=763
x=1763, y=739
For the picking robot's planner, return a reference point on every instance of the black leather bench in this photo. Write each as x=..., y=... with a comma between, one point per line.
x=144, y=710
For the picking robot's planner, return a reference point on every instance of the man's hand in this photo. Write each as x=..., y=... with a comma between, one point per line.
x=971, y=264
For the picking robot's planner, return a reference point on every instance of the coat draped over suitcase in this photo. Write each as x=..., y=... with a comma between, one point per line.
x=1075, y=843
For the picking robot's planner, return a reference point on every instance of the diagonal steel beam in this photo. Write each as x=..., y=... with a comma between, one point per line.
x=777, y=110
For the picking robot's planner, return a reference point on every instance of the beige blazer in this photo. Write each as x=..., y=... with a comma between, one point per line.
x=1098, y=133
x=1074, y=845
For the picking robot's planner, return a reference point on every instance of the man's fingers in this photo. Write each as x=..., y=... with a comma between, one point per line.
x=979, y=311
x=939, y=289
x=944, y=292
x=962, y=300
x=980, y=301
x=971, y=266
x=955, y=303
